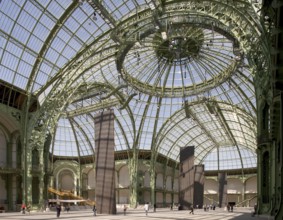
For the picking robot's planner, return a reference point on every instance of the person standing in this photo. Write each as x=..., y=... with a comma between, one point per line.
x=146, y=208
x=94, y=210
x=255, y=207
x=58, y=210
x=125, y=209
x=23, y=208
x=191, y=209
x=68, y=208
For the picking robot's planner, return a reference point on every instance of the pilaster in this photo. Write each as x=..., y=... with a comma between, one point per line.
x=41, y=177
x=9, y=154
x=27, y=177
x=152, y=182
x=133, y=181
x=9, y=187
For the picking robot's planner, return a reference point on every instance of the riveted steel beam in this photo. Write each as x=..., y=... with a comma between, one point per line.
x=103, y=104
x=102, y=11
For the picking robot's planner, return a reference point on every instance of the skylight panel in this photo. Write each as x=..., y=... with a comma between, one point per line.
x=6, y=24
x=52, y=55
x=10, y=61
x=14, y=49
x=7, y=74
x=61, y=61
x=69, y=52
x=28, y=57
x=55, y=9
x=124, y=9
x=34, y=11
x=83, y=34
x=72, y=24
x=44, y=26
x=21, y=34
x=24, y=69
x=42, y=78
x=80, y=15
x=10, y=8
x=20, y=81
x=59, y=43
x=110, y=5
x=27, y=21
x=34, y=43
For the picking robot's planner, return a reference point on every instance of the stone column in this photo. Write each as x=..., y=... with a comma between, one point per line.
x=243, y=196
x=27, y=176
x=133, y=181
x=152, y=184
x=186, y=177
x=199, y=185
x=9, y=180
x=222, y=181
x=105, y=163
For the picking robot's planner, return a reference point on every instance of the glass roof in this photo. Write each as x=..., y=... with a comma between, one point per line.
x=174, y=78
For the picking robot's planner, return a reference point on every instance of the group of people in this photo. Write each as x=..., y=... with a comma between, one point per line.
x=146, y=208
x=94, y=209
x=207, y=207
x=25, y=208
x=230, y=208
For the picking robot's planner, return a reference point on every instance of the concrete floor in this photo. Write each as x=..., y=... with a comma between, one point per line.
x=139, y=214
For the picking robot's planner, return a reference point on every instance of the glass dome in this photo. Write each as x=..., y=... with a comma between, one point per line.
x=174, y=78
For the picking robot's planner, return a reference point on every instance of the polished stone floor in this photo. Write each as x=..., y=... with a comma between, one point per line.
x=139, y=214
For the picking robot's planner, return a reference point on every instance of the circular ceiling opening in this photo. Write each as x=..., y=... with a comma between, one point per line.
x=178, y=43
x=178, y=61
